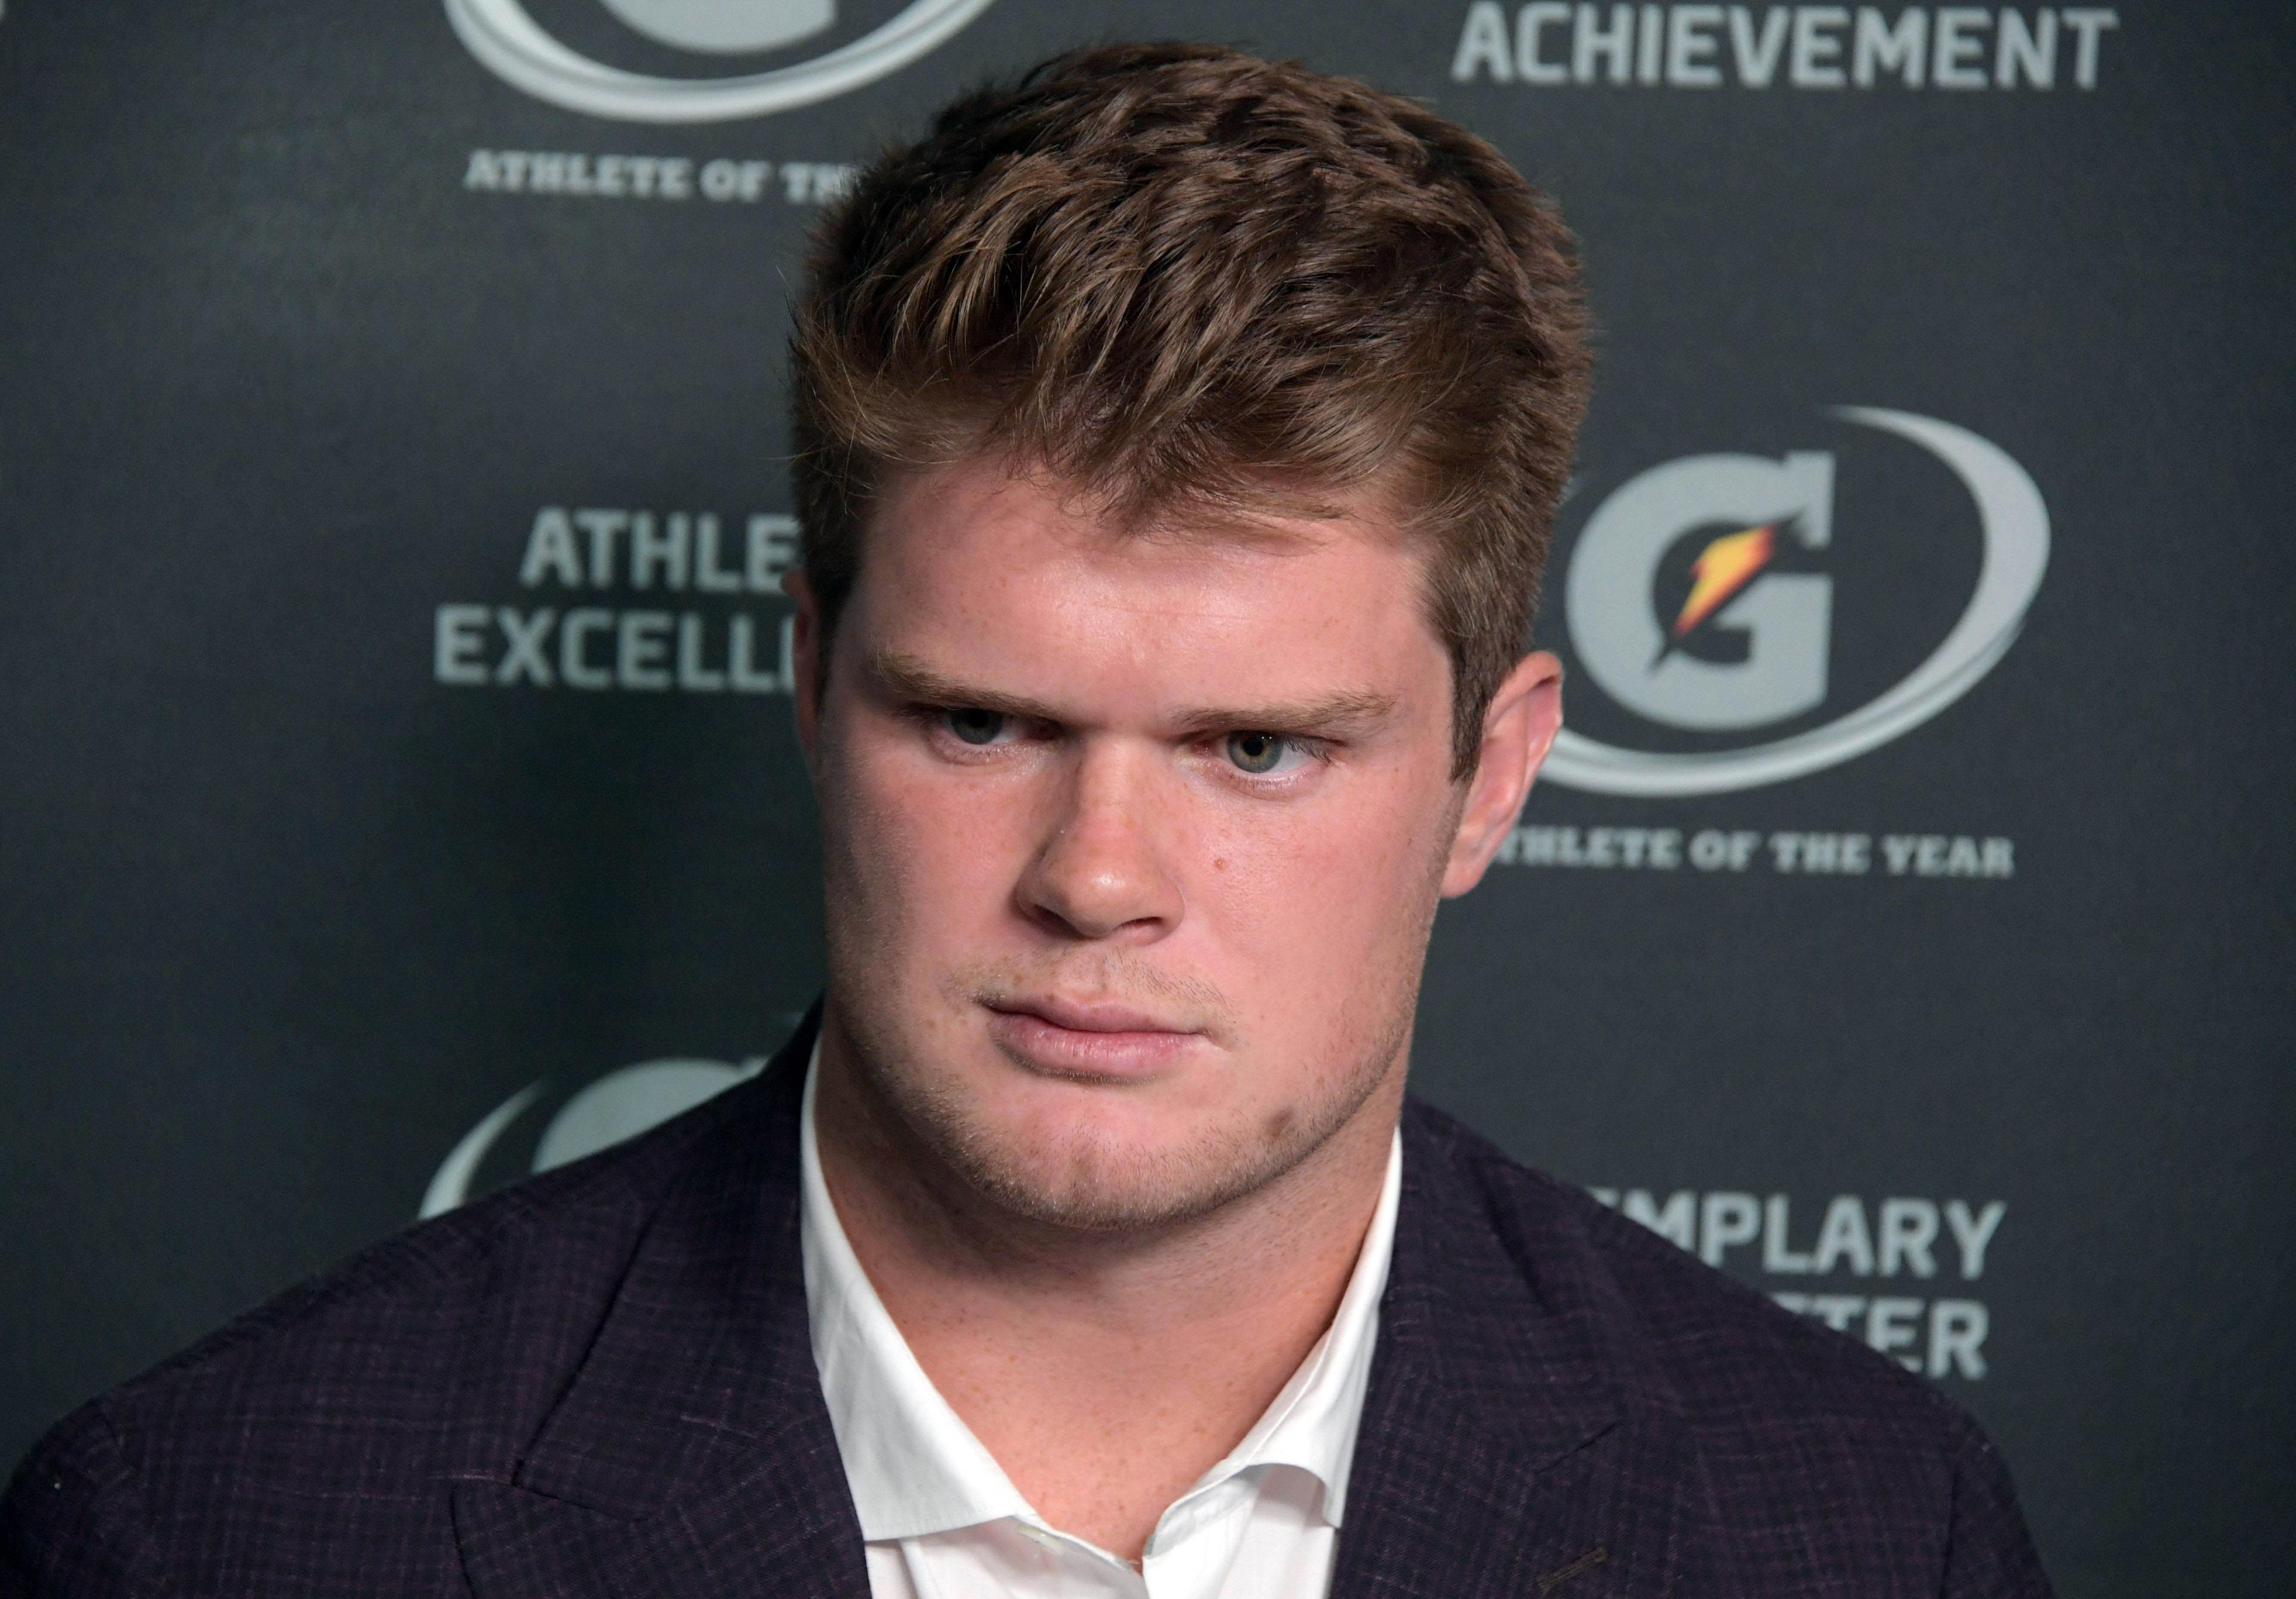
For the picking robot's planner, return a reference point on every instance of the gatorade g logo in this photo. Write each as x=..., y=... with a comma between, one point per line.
x=1746, y=642
x=511, y=44
x=1701, y=598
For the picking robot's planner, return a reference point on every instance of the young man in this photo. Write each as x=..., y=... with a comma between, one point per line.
x=1178, y=436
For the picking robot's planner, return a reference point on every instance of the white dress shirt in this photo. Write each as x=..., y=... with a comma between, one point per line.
x=943, y=1522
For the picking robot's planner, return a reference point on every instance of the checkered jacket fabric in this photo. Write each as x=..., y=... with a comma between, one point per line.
x=601, y=1382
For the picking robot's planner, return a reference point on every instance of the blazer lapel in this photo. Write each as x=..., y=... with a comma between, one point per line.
x=692, y=1455
x=1496, y=1456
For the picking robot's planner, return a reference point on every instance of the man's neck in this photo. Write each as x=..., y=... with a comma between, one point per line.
x=1104, y=1370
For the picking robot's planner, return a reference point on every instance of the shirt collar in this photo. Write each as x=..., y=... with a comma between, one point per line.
x=913, y=1466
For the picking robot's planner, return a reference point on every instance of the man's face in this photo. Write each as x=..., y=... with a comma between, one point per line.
x=1132, y=843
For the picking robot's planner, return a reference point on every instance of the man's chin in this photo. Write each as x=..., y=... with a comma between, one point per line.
x=1092, y=1181
x=1096, y=1157
x=1160, y=1140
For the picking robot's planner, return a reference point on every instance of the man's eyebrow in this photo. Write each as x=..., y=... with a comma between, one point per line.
x=1348, y=714
x=1342, y=714
x=907, y=678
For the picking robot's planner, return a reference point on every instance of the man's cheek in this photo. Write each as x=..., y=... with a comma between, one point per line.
x=1320, y=888
x=951, y=855
x=882, y=876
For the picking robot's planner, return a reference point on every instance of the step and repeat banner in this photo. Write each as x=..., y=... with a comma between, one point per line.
x=400, y=788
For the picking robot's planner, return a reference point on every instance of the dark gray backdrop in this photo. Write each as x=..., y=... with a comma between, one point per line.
x=294, y=364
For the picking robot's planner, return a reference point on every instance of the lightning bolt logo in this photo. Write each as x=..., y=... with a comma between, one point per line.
x=1721, y=573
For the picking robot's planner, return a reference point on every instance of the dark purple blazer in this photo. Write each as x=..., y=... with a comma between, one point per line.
x=601, y=1382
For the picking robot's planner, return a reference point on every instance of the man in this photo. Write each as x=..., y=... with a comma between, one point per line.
x=1178, y=436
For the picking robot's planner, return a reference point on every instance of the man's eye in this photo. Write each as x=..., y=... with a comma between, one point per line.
x=974, y=727
x=1257, y=753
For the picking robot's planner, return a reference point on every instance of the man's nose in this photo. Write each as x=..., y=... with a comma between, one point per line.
x=1102, y=871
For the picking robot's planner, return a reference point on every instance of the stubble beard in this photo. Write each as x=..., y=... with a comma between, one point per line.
x=1090, y=1181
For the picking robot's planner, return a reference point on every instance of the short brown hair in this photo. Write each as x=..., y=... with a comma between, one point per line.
x=1178, y=276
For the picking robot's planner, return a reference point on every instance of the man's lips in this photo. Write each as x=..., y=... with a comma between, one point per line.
x=1086, y=1038
x=1086, y=1015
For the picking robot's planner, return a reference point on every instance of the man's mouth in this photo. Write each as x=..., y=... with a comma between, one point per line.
x=1087, y=1039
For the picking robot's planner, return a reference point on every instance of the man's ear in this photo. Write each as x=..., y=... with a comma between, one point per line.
x=805, y=664
x=1518, y=730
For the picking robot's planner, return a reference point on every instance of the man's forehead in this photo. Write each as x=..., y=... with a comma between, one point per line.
x=1025, y=567
x=961, y=530
x=982, y=577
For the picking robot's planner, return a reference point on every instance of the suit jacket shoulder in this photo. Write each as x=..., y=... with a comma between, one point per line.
x=331, y=1420
x=1709, y=1347
x=1800, y=1455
